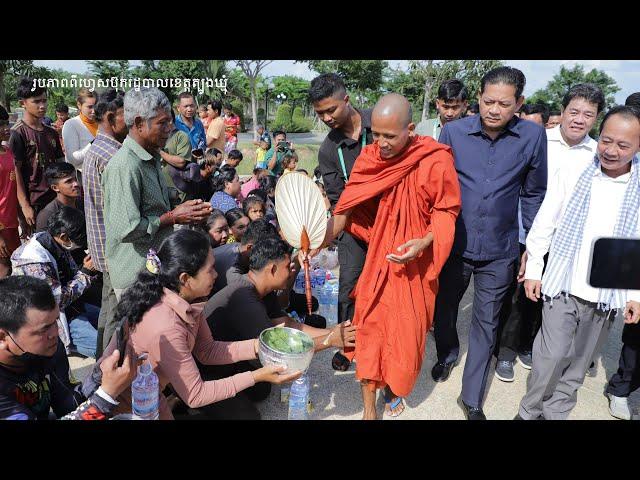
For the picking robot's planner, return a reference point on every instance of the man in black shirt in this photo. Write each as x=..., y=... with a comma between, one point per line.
x=350, y=131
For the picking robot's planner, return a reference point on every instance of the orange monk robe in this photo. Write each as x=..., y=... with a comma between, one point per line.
x=395, y=201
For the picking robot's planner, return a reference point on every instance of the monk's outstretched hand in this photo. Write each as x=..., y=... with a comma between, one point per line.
x=413, y=250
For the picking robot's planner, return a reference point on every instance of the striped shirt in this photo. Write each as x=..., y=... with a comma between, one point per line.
x=102, y=149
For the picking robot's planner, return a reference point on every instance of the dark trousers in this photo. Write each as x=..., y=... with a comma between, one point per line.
x=520, y=320
x=351, y=255
x=627, y=379
x=491, y=284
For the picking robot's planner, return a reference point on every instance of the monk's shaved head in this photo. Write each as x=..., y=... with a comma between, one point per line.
x=394, y=105
x=391, y=124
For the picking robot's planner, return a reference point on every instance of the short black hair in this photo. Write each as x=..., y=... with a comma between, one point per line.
x=215, y=105
x=633, y=100
x=267, y=183
x=62, y=108
x=18, y=293
x=325, y=86
x=554, y=113
x=588, y=91
x=109, y=101
x=474, y=107
x=270, y=249
x=508, y=76
x=71, y=221
x=533, y=108
x=228, y=106
x=258, y=230
x=57, y=171
x=626, y=111
x=279, y=132
x=185, y=95
x=235, y=154
x=233, y=215
x=4, y=115
x=452, y=89
x=24, y=89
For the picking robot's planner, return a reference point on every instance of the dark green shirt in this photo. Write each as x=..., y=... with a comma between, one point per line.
x=135, y=196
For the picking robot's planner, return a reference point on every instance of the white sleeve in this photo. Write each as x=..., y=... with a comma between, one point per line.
x=544, y=226
x=71, y=139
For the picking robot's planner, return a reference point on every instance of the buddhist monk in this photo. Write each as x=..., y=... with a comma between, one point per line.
x=402, y=198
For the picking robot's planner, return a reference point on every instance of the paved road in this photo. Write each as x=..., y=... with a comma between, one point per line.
x=299, y=138
x=336, y=395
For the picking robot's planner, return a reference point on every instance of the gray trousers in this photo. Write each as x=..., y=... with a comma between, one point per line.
x=106, y=320
x=572, y=330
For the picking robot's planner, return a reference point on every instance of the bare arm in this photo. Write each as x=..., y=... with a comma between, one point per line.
x=174, y=160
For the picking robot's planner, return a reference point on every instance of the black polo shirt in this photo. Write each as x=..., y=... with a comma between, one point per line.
x=329, y=161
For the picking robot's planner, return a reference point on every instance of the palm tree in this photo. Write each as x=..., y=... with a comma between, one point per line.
x=16, y=68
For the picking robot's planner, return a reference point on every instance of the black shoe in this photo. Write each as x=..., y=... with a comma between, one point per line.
x=316, y=321
x=441, y=371
x=525, y=359
x=471, y=413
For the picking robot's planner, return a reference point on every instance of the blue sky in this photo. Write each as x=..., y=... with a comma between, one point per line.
x=538, y=72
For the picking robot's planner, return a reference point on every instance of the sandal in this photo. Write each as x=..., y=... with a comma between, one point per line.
x=340, y=363
x=392, y=405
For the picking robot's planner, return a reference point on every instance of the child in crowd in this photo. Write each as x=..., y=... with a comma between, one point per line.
x=289, y=162
x=204, y=116
x=253, y=182
x=254, y=208
x=261, y=151
x=9, y=237
x=234, y=157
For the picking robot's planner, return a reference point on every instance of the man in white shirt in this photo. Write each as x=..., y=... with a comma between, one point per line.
x=580, y=206
x=627, y=378
x=567, y=144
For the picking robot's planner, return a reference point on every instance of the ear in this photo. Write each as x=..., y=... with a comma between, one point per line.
x=55, y=188
x=138, y=122
x=561, y=110
x=3, y=339
x=183, y=278
x=412, y=129
x=346, y=98
x=274, y=268
x=519, y=102
x=64, y=237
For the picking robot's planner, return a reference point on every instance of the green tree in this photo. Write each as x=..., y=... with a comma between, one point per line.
x=283, y=118
x=252, y=69
x=420, y=82
x=562, y=81
x=363, y=78
x=105, y=69
x=10, y=71
x=295, y=88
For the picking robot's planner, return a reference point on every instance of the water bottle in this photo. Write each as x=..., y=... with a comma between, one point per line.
x=317, y=281
x=299, y=284
x=144, y=394
x=334, y=292
x=299, y=399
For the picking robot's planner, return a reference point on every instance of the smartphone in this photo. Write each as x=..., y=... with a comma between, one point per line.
x=615, y=263
x=121, y=343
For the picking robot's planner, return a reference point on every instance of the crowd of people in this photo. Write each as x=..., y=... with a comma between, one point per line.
x=132, y=214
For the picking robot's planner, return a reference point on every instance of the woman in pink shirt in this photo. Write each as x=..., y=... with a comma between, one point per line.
x=163, y=313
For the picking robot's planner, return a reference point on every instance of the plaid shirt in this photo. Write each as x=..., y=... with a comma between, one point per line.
x=96, y=159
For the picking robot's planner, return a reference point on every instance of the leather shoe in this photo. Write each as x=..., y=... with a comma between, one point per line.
x=472, y=413
x=441, y=371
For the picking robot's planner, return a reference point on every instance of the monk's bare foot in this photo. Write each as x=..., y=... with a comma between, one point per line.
x=370, y=414
x=394, y=405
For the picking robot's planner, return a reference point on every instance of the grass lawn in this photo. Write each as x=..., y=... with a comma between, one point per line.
x=307, y=154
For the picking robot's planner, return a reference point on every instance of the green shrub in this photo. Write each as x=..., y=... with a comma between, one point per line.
x=283, y=118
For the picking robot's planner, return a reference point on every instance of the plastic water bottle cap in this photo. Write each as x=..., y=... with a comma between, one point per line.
x=145, y=369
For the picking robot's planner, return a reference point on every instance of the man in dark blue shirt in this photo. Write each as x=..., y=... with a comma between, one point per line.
x=500, y=160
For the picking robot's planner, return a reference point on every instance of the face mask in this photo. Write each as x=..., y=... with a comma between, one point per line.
x=28, y=358
x=71, y=247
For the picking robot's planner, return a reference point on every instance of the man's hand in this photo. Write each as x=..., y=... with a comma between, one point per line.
x=4, y=250
x=523, y=267
x=414, y=248
x=116, y=380
x=191, y=211
x=29, y=215
x=88, y=263
x=343, y=335
x=532, y=289
x=632, y=312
